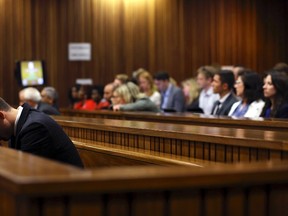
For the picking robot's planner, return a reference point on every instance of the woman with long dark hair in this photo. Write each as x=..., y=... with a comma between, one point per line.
x=275, y=90
x=248, y=87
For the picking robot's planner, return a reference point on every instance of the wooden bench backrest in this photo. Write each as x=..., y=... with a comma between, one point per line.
x=31, y=185
x=184, y=118
x=217, y=144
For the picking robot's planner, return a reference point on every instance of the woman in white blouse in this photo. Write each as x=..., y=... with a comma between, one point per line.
x=146, y=84
x=249, y=88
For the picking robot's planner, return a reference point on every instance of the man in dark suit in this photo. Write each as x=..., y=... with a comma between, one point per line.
x=223, y=82
x=172, y=97
x=35, y=132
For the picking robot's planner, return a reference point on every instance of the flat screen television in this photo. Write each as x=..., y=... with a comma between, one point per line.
x=31, y=73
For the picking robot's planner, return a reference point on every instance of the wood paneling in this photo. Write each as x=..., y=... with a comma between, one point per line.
x=185, y=118
x=224, y=145
x=177, y=36
x=33, y=185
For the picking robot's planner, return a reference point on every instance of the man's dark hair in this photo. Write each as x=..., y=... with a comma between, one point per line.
x=227, y=76
x=281, y=67
x=162, y=75
x=4, y=106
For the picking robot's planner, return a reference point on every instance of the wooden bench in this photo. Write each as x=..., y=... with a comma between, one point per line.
x=31, y=186
x=184, y=118
x=224, y=145
x=98, y=154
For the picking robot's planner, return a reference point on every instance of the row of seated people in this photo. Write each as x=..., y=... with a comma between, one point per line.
x=44, y=100
x=216, y=92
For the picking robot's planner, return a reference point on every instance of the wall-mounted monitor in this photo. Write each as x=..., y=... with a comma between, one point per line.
x=31, y=73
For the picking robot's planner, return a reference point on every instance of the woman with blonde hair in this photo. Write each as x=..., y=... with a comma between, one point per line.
x=191, y=92
x=147, y=86
x=127, y=97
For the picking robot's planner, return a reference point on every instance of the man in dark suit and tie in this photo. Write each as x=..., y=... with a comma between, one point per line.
x=172, y=97
x=35, y=132
x=223, y=82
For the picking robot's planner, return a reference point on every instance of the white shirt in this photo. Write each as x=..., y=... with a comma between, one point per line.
x=254, y=109
x=207, y=100
x=156, y=98
x=20, y=108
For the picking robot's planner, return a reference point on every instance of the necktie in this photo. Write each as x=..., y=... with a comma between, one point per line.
x=217, y=108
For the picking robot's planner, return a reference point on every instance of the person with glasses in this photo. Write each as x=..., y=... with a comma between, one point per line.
x=249, y=89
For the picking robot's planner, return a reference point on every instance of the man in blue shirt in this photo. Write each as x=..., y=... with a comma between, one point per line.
x=172, y=97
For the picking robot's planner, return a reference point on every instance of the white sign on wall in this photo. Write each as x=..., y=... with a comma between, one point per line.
x=84, y=81
x=79, y=51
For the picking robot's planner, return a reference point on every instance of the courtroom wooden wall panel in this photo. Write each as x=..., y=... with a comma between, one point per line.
x=177, y=36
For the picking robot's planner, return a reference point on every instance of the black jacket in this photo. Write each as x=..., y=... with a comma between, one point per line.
x=39, y=134
x=226, y=106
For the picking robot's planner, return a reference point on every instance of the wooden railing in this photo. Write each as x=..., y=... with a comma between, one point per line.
x=184, y=118
x=217, y=144
x=99, y=154
x=30, y=185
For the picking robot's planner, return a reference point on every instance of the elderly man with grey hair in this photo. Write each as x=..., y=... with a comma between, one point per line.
x=32, y=97
x=49, y=95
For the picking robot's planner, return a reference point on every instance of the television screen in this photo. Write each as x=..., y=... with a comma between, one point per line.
x=30, y=73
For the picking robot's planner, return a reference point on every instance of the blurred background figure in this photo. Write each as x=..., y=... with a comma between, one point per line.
x=120, y=79
x=191, y=92
x=236, y=70
x=127, y=97
x=172, y=97
x=147, y=86
x=275, y=90
x=85, y=99
x=134, y=77
x=249, y=89
x=32, y=97
x=281, y=67
x=108, y=92
x=49, y=95
x=207, y=97
x=73, y=95
x=97, y=96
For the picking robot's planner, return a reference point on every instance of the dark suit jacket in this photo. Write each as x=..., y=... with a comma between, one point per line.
x=282, y=111
x=176, y=100
x=39, y=134
x=47, y=108
x=226, y=105
x=194, y=107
